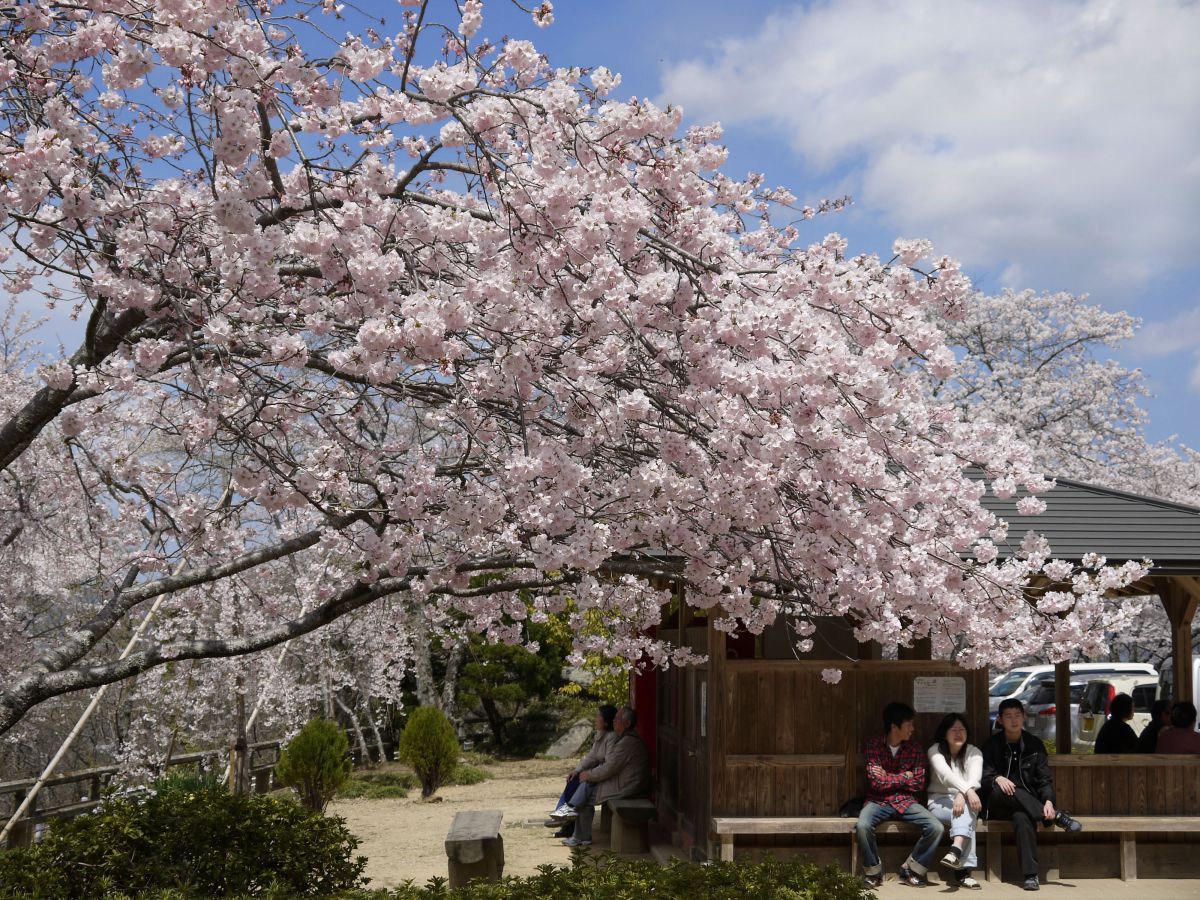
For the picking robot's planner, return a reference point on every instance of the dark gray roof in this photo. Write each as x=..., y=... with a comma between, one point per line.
x=1085, y=518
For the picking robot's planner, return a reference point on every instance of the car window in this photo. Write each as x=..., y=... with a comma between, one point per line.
x=1043, y=693
x=1077, y=692
x=1008, y=684
x=1144, y=696
x=1095, y=698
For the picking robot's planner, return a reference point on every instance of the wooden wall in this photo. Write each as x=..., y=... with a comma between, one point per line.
x=785, y=743
x=1128, y=784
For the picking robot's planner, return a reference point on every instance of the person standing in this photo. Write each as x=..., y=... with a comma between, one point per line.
x=955, y=775
x=1017, y=785
x=895, y=773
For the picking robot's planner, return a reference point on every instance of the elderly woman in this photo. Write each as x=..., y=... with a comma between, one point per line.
x=573, y=795
x=955, y=773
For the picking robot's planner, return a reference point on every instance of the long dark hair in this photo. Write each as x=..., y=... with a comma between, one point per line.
x=939, y=738
x=608, y=713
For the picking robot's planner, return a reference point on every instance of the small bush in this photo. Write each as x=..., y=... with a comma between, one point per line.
x=466, y=774
x=191, y=841
x=621, y=879
x=316, y=762
x=378, y=786
x=429, y=745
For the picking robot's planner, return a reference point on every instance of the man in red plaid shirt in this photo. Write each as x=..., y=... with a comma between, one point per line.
x=895, y=773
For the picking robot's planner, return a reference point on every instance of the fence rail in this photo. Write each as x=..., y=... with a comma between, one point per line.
x=97, y=779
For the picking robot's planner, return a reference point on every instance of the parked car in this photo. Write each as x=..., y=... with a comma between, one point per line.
x=1042, y=712
x=1097, y=698
x=1019, y=680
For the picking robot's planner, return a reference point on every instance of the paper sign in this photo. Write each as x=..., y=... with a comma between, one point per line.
x=942, y=695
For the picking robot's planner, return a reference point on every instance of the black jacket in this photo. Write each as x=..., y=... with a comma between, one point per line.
x=1116, y=737
x=1032, y=770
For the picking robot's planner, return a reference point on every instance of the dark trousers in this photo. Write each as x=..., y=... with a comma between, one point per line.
x=1025, y=810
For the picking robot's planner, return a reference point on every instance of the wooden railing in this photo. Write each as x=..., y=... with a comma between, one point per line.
x=263, y=756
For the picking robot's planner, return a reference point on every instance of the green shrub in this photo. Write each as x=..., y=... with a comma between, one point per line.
x=193, y=841
x=627, y=879
x=377, y=786
x=316, y=762
x=429, y=745
x=466, y=774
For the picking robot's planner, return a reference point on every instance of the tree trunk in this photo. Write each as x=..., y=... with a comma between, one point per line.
x=364, y=753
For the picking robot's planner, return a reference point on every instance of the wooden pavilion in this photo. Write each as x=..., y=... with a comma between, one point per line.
x=755, y=734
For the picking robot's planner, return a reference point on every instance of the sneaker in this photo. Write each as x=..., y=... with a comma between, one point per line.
x=564, y=811
x=953, y=858
x=911, y=878
x=575, y=842
x=1066, y=823
x=1031, y=883
x=873, y=881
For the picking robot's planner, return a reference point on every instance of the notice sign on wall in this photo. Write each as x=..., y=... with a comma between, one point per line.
x=939, y=695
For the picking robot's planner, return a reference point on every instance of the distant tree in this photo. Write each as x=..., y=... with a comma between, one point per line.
x=503, y=680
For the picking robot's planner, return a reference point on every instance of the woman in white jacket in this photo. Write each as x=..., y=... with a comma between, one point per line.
x=955, y=771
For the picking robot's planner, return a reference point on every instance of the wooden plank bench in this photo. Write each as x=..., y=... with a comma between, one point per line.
x=628, y=829
x=728, y=827
x=474, y=846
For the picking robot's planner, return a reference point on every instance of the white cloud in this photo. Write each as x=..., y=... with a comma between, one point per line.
x=1061, y=136
x=1169, y=336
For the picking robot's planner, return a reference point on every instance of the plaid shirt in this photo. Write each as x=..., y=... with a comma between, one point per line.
x=893, y=788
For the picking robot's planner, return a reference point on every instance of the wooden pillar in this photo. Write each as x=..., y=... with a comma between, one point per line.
x=1062, y=707
x=718, y=696
x=1180, y=599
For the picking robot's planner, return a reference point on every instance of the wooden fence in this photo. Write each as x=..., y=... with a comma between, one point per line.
x=89, y=784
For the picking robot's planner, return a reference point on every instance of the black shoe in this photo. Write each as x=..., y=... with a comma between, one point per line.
x=873, y=881
x=1066, y=823
x=565, y=831
x=911, y=878
x=1031, y=883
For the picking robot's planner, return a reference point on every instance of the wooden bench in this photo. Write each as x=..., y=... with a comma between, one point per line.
x=474, y=846
x=728, y=827
x=628, y=827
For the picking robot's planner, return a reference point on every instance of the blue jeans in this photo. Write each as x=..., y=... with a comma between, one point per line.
x=874, y=814
x=942, y=806
x=584, y=802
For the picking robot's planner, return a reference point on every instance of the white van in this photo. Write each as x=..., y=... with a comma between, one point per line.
x=1021, y=679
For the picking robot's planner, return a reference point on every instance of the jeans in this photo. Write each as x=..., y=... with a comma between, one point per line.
x=1025, y=810
x=963, y=825
x=568, y=791
x=584, y=802
x=874, y=814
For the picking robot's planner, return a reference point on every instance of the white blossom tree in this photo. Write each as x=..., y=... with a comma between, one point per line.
x=413, y=315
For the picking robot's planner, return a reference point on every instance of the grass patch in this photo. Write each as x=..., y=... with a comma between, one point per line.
x=378, y=786
x=467, y=774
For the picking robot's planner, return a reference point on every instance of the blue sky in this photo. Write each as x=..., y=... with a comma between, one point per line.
x=1052, y=146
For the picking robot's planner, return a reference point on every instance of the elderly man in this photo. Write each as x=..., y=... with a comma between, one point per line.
x=625, y=772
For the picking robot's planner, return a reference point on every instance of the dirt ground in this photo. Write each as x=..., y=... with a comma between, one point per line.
x=403, y=839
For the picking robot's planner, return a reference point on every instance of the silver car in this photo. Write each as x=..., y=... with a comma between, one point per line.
x=1041, y=713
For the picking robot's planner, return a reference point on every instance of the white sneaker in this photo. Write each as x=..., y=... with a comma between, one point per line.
x=575, y=842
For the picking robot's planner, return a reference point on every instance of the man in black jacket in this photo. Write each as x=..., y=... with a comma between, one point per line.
x=1018, y=786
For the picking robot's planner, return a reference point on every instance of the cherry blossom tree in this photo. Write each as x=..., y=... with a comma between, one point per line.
x=1037, y=362
x=412, y=321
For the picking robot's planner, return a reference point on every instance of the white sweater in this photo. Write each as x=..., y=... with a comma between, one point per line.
x=946, y=779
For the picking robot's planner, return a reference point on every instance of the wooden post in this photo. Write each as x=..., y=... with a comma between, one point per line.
x=1180, y=600
x=1062, y=708
x=718, y=697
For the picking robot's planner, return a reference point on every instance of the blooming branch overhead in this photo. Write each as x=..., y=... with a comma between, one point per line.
x=427, y=319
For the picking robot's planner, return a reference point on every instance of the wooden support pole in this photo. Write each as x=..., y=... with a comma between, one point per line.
x=922, y=649
x=1062, y=708
x=1180, y=602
